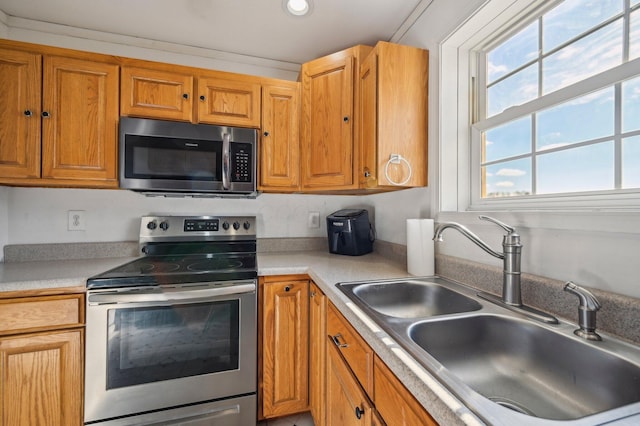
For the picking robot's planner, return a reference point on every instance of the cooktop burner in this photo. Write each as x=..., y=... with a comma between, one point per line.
x=187, y=250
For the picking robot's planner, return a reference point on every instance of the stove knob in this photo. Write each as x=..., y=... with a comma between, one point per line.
x=164, y=225
x=225, y=225
x=236, y=225
x=152, y=225
x=246, y=225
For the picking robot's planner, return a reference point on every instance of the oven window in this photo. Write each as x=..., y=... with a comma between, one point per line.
x=168, y=342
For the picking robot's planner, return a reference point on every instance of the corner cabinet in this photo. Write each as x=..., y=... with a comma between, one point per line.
x=41, y=360
x=59, y=120
x=284, y=369
x=328, y=126
x=317, y=353
x=280, y=144
x=393, y=117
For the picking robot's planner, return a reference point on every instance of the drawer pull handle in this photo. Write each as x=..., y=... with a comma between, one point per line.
x=287, y=289
x=359, y=412
x=336, y=341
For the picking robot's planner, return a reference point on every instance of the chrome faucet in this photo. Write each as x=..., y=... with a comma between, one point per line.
x=589, y=305
x=511, y=257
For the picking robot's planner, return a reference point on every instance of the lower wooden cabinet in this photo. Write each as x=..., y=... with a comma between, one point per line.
x=317, y=353
x=41, y=361
x=284, y=370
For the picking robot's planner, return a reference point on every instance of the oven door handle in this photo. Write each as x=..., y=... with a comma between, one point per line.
x=169, y=296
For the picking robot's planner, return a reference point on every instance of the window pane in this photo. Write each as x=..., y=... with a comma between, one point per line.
x=515, y=52
x=634, y=35
x=586, y=118
x=508, y=140
x=595, y=53
x=515, y=90
x=631, y=162
x=507, y=179
x=573, y=17
x=588, y=168
x=631, y=105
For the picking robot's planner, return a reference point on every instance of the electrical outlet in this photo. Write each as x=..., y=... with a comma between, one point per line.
x=75, y=220
x=313, y=220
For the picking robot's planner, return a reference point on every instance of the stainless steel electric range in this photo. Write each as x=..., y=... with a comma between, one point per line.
x=171, y=336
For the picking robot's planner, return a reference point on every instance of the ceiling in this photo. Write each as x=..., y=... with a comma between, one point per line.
x=257, y=28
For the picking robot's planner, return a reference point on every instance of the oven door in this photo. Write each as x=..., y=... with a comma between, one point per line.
x=153, y=348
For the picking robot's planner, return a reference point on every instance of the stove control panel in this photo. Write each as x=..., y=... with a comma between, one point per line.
x=193, y=228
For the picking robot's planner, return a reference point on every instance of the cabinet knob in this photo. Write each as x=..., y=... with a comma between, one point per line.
x=345, y=119
x=287, y=288
x=202, y=98
x=359, y=412
x=45, y=114
x=313, y=294
x=28, y=113
x=266, y=134
x=185, y=95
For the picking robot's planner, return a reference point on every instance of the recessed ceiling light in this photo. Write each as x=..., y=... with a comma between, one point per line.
x=297, y=7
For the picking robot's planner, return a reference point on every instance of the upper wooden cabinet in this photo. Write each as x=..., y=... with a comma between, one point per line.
x=328, y=126
x=229, y=102
x=280, y=143
x=184, y=94
x=156, y=93
x=393, y=117
x=58, y=121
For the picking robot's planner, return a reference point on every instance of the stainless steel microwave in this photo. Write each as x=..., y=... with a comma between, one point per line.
x=173, y=158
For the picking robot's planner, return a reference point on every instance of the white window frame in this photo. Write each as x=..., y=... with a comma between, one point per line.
x=459, y=168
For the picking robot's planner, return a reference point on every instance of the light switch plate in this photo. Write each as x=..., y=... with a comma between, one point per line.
x=314, y=220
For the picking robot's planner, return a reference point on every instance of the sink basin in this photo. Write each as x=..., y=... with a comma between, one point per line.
x=529, y=368
x=413, y=299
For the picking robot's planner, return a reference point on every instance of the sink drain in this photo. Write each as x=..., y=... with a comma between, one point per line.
x=512, y=405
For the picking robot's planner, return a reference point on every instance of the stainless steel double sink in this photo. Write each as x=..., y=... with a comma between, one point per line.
x=506, y=368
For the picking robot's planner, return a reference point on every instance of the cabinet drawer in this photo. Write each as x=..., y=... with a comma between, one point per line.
x=353, y=348
x=41, y=313
x=394, y=402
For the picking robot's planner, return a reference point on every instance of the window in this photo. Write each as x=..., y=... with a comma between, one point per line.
x=557, y=104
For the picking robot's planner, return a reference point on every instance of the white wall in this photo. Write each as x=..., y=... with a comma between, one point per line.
x=39, y=215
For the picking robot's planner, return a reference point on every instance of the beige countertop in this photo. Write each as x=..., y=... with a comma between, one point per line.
x=325, y=269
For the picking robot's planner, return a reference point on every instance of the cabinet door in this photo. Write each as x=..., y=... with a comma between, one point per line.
x=317, y=352
x=280, y=147
x=368, y=114
x=20, y=88
x=285, y=334
x=346, y=402
x=327, y=122
x=41, y=377
x=229, y=102
x=80, y=121
x=156, y=94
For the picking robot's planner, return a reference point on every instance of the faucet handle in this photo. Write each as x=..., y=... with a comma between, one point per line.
x=509, y=229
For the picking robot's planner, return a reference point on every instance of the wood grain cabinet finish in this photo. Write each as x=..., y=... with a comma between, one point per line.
x=317, y=353
x=280, y=141
x=328, y=125
x=20, y=107
x=58, y=118
x=80, y=134
x=285, y=344
x=229, y=102
x=353, y=348
x=156, y=94
x=393, y=116
x=347, y=404
x=394, y=402
x=41, y=372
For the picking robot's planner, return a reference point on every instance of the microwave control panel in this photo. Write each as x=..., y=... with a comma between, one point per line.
x=241, y=162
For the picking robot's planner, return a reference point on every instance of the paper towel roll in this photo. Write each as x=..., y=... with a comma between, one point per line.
x=420, y=258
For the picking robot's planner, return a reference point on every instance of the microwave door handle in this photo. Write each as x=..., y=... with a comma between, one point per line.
x=226, y=169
